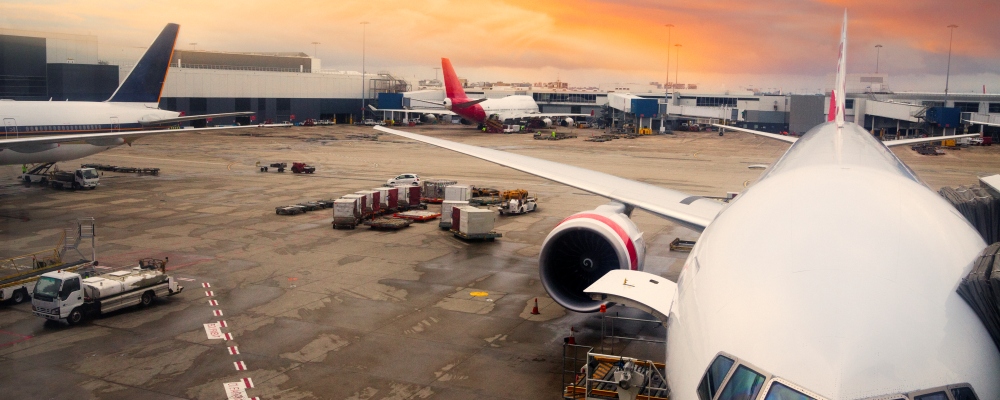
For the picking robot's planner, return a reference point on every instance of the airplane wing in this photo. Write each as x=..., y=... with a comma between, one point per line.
x=128, y=136
x=440, y=111
x=168, y=121
x=695, y=212
x=783, y=138
x=555, y=115
x=902, y=142
x=982, y=123
x=890, y=143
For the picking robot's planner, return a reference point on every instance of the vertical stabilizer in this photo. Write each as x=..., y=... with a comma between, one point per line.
x=145, y=83
x=452, y=87
x=839, y=95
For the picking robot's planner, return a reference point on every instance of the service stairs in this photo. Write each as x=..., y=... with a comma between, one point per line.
x=493, y=125
x=73, y=237
x=599, y=381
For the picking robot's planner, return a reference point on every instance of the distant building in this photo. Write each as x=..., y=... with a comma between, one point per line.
x=42, y=66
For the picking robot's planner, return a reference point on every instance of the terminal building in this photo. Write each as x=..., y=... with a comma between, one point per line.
x=281, y=87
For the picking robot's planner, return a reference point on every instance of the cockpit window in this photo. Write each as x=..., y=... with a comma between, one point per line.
x=782, y=392
x=963, y=393
x=714, y=376
x=932, y=396
x=89, y=174
x=743, y=385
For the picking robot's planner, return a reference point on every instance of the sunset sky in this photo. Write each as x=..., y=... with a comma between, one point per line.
x=726, y=44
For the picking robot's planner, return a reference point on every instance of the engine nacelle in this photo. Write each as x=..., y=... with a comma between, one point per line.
x=446, y=103
x=429, y=118
x=547, y=122
x=584, y=247
x=567, y=121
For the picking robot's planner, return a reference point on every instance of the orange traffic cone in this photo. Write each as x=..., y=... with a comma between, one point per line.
x=604, y=308
x=571, y=339
x=534, y=311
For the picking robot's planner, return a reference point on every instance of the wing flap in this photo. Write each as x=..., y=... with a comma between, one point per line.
x=636, y=289
x=168, y=121
x=692, y=211
x=128, y=136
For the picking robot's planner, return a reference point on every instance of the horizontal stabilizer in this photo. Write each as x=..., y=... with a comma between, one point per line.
x=169, y=121
x=783, y=138
x=468, y=103
x=636, y=289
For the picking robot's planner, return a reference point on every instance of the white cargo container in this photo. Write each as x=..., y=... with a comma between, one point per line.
x=346, y=213
x=446, y=207
x=362, y=203
x=383, y=196
x=476, y=221
x=369, y=198
x=456, y=193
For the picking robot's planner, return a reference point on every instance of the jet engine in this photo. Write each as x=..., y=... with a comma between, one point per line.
x=429, y=118
x=567, y=122
x=547, y=122
x=584, y=247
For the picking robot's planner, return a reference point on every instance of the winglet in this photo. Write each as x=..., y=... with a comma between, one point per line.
x=839, y=95
x=452, y=86
x=145, y=83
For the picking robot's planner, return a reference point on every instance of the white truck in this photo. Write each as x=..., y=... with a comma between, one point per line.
x=17, y=287
x=69, y=297
x=82, y=178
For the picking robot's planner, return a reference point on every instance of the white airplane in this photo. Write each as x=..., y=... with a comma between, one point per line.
x=51, y=131
x=518, y=107
x=833, y=277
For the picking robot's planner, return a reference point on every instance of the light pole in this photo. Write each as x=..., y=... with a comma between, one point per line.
x=316, y=49
x=364, y=32
x=878, y=50
x=194, y=46
x=669, y=26
x=947, y=74
x=436, y=72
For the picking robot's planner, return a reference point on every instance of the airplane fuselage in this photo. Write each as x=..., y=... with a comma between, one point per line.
x=505, y=108
x=51, y=118
x=836, y=271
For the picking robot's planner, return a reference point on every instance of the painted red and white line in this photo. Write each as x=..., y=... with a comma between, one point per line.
x=223, y=324
x=228, y=336
x=240, y=366
x=234, y=350
x=209, y=293
x=213, y=303
x=217, y=313
x=206, y=285
x=238, y=390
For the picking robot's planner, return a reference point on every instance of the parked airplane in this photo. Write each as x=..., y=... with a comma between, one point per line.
x=51, y=131
x=518, y=107
x=833, y=277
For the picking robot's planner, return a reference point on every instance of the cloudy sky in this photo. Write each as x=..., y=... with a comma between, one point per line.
x=725, y=44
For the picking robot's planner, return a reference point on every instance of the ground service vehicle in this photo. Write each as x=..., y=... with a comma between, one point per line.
x=404, y=180
x=68, y=296
x=83, y=178
x=302, y=168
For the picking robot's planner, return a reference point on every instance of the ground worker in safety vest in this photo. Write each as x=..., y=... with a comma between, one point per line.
x=24, y=169
x=553, y=134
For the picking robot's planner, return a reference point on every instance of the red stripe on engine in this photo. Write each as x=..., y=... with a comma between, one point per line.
x=632, y=255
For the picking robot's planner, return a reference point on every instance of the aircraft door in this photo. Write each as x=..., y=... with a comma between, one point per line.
x=115, y=125
x=10, y=128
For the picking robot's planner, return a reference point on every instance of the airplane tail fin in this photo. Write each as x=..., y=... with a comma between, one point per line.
x=452, y=87
x=145, y=83
x=839, y=95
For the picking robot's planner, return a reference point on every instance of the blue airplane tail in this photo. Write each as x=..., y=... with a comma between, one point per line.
x=145, y=83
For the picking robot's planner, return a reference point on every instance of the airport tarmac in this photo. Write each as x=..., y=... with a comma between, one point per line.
x=332, y=314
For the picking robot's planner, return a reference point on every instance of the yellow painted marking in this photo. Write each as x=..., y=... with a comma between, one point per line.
x=230, y=166
x=745, y=183
x=479, y=294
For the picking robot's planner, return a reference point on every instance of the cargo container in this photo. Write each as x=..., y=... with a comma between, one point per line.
x=413, y=196
x=446, y=207
x=346, y=213
x=371, y=199
x=392, y=198
x=456, y=192
x=383, y=196
x=473, y=223
x=363, y=204
x=434, y=189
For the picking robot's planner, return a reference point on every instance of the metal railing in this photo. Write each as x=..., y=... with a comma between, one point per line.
x=235, y=67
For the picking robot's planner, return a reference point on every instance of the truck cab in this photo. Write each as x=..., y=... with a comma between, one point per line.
x=87, y=178
x=58, y=296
